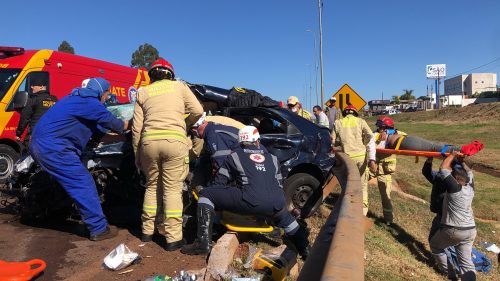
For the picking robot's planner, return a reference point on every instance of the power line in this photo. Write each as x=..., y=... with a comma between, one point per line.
x=470, y=70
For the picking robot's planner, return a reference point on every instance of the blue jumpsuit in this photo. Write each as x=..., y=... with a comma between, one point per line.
x=259, y=192
x=59, y=138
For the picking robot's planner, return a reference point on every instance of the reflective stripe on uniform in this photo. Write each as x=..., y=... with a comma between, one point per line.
x=222, y=153
x=357, y=155
x=173, y=213
x=275, y=161
x=291, y=227
x=224, y=172
x=349, y=122
x=239, y=167
x=227, y=133
x=206, y=201
x=150, y=209
x=157, y=134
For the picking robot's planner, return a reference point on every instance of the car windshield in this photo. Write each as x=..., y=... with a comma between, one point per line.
x=7, y=77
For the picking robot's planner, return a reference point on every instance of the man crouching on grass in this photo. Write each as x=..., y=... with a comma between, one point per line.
x=457, y=222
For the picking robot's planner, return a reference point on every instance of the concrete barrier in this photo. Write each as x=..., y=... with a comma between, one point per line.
x=338, y=252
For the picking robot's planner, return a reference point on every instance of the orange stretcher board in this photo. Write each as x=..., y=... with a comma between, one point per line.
x=412, y=152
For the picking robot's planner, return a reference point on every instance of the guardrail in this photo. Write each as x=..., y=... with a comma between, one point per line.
x=338, y=252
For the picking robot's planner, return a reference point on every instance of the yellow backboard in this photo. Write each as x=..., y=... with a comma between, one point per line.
x=345, y=96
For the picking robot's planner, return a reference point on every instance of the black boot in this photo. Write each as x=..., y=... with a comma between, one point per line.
x=203, y=243
x=299, y=240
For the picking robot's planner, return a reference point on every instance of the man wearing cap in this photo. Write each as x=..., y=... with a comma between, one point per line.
x=332, y=112
x=39, y=102
x=296, y=107
x=161, y=147
x=59, y=139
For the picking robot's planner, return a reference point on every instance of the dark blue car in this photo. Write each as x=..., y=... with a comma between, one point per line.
x=302, y=147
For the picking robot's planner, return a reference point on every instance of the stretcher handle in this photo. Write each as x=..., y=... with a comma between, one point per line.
x=34, y=262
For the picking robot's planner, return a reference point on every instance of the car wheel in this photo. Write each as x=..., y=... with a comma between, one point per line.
x=303, y=193
x=8, y=157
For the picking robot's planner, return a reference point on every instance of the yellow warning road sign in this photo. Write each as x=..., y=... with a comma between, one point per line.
x=347, y=96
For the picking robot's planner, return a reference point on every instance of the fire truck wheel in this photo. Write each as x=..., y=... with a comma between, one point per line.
x=8, y=157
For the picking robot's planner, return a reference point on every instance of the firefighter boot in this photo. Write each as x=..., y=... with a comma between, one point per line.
x=203, y=243
x=299, y=240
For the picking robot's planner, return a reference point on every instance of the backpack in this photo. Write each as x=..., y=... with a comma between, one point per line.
x=480, y=260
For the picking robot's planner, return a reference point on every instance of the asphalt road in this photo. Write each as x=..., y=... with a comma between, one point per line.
x=71, y=256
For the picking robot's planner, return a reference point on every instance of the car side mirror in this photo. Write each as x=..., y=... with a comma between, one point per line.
x=18, y=102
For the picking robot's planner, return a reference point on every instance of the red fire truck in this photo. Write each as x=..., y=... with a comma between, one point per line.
x=64, y=72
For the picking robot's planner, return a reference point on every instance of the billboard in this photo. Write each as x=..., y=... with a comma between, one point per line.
x=435, y=71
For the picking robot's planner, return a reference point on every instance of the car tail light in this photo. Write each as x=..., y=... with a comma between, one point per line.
x=10, y=51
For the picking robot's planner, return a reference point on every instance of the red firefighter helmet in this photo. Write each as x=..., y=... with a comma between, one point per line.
x=350, y=109
x=384, y=121
x=162, y=64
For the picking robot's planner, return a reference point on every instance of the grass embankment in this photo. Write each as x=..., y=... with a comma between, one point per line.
x=401, y=251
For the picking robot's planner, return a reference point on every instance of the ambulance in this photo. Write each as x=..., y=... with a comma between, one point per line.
x=64, y=72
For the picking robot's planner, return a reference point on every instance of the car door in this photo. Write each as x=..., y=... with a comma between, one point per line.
x=278, y=135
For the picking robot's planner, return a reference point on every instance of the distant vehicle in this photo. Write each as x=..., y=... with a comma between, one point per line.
x=392, y=112
x=411, y=109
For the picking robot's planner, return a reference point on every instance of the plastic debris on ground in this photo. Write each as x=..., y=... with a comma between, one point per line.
x=120, y=258
x=491, y=247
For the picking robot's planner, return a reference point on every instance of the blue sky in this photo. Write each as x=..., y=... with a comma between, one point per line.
x=374, y=46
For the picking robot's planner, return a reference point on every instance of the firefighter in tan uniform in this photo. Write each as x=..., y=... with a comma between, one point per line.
x=161, y=147
x=386, y=164
x=354, y=137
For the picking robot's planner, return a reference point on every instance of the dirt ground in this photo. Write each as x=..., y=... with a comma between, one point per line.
x=71, y=256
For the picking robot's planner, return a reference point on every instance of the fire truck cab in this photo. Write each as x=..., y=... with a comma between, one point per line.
x=63, y=72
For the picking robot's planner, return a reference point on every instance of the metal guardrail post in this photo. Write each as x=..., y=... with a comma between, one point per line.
x=338, y=252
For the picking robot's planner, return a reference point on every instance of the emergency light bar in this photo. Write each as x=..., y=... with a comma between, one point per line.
x=6, y=52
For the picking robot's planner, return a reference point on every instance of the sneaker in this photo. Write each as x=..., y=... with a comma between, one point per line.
x=175, y=245
x=108, y=233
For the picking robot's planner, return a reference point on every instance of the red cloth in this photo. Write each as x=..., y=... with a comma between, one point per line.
x=472, y=148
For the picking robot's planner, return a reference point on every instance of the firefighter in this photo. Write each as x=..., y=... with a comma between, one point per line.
x=259, y=192
x=353, y=136
x=57, y=143
x=386, y=164
x=296, y=107
x=161, y=147
x=38, y=103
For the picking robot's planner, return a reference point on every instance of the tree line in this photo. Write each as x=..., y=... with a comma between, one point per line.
x=142, y=57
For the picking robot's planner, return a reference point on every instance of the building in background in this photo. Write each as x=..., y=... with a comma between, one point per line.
x=463, y=89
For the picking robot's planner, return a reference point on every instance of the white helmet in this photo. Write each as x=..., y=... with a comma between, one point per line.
x=248, y=134
x=85, y=82
x=201, y=120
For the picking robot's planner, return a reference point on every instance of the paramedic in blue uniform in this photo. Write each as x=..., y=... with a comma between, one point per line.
x=59, y=139
x=259, y=192
x=219, y=139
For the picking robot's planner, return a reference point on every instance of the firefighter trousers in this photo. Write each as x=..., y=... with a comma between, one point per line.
x=165, y=163
x=384, y=182
x=363, y=173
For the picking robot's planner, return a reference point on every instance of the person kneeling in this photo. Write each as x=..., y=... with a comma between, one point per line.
x=260, y=193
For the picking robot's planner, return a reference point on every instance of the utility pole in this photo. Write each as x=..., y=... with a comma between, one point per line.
x=320, y=6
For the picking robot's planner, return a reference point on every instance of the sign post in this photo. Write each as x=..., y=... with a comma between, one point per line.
x=436, y=71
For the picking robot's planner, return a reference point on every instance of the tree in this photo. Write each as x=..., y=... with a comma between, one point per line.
x=65, y=47
x=144, y=56
x=408, y=95
x=396, y=99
